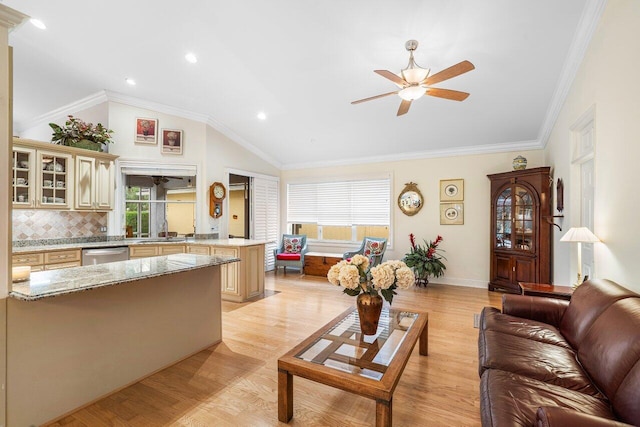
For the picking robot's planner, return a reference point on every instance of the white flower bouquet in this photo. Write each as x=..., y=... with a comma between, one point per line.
x=355, y=276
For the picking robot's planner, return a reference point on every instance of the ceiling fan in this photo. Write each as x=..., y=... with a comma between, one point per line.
x=415, y=81
x=157, y=180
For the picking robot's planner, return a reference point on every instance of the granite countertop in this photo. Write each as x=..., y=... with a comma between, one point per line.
x=44, y=284
x=117, y=243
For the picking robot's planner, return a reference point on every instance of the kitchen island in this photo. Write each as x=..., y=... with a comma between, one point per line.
x=75, y=335
x=240, y=281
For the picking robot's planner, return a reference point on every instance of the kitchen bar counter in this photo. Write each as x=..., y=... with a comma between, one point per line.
x=51, y=283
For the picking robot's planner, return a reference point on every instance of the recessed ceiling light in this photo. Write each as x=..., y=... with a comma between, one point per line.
x=191, y=57
x=38, y=23
x=130, y=81
x=262, y=115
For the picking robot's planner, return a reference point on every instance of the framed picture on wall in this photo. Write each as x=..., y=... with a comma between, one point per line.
x=451, y=214
x=451, y=190
x=146, y=131
x=172, y=141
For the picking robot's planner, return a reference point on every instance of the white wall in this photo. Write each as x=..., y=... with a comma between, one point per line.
x=466, y=246
x=608, y=80
x=224, y=154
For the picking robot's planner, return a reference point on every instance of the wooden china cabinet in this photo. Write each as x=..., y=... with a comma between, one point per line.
x=521, y=237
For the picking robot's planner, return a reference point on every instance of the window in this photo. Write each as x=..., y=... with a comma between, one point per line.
x=152, y=209
x=340, y=211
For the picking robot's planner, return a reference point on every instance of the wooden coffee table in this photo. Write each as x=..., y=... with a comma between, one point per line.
x=339, y=355
x=546, y=290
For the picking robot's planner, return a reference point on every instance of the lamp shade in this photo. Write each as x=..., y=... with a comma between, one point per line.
x=579, y=234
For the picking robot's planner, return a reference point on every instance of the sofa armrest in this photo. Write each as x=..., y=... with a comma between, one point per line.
x=548, y=416
x=542, y=309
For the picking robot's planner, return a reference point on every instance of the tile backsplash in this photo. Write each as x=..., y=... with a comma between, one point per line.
x=41, y=224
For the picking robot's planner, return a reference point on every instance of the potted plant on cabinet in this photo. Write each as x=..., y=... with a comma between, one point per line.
x=425, y=260
x=80, y=134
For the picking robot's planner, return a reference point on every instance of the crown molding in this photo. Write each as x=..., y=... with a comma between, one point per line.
x=447, y=152
x=11, y=18
x=581, y=39
x=81, y=104
x=109, y=96
x=132, y=101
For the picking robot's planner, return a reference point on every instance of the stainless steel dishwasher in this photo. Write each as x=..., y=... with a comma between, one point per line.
x=104, y=255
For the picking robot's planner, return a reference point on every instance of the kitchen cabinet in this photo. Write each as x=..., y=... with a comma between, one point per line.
x=23, y=174
x=198, y=250
x=51, y=176
x=230, y=280
x=245, y=279
x=41, y=178
x=521, y=238
x=145, y=250
x=94, y=183
x=50, y=260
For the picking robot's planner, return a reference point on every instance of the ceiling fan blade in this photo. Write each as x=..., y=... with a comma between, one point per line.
x=404, y=107
x=374, y=97
x=394, y=78
x=448, y=73
x=447, y=94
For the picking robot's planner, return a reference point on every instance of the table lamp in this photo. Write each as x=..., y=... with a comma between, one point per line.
x=579, y=235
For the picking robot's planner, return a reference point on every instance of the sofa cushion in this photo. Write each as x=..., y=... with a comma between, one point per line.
x=610, y=351
x=587, y=303
x=509, y=399
x=542, y=361
x=292, y=245
x=288, y=257
x=492, y=319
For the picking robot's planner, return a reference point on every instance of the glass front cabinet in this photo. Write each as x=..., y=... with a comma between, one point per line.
x=50, y=176
x=521, y=236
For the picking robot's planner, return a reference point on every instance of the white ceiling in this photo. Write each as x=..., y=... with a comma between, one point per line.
x=303, y=62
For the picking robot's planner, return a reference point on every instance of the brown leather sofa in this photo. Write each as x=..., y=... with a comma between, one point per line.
x=550, y=362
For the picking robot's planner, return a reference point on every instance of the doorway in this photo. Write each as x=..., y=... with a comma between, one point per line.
x=239, y=207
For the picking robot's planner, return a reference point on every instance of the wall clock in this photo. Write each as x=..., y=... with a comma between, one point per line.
x=410, y=200
x=217, y=193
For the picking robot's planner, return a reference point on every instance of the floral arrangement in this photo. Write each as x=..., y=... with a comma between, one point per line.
x=356, y=277
x=75, y=131
x=425, y=260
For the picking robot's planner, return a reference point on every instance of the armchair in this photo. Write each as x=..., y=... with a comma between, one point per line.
x=291, y=251
x=371, y=247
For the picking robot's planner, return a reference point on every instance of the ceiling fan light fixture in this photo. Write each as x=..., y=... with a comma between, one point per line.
x=415, y=74
x=411, y=93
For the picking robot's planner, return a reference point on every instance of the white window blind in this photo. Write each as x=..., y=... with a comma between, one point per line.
x=342, y=203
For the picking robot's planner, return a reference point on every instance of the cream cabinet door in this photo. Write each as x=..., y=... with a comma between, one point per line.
x=230, y=282
x=55, y=180
x=104, y=187
x=85, y=182
x=24, y=178
x=170, y=249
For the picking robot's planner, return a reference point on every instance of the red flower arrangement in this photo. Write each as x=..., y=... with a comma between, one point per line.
x=425, y=260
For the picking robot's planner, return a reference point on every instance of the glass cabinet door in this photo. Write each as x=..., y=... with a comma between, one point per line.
x=503, y=219
x=23, y=178
x=515, y=226
x=523, y=219
x=55, y=173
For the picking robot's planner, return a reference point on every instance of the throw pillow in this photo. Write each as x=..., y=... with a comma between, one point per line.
x=292, y=245
x=372, y=248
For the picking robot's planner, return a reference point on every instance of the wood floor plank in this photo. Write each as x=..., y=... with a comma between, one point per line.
x=235, y=383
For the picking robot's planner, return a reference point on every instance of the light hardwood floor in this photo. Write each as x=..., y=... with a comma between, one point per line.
x=235, y=382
